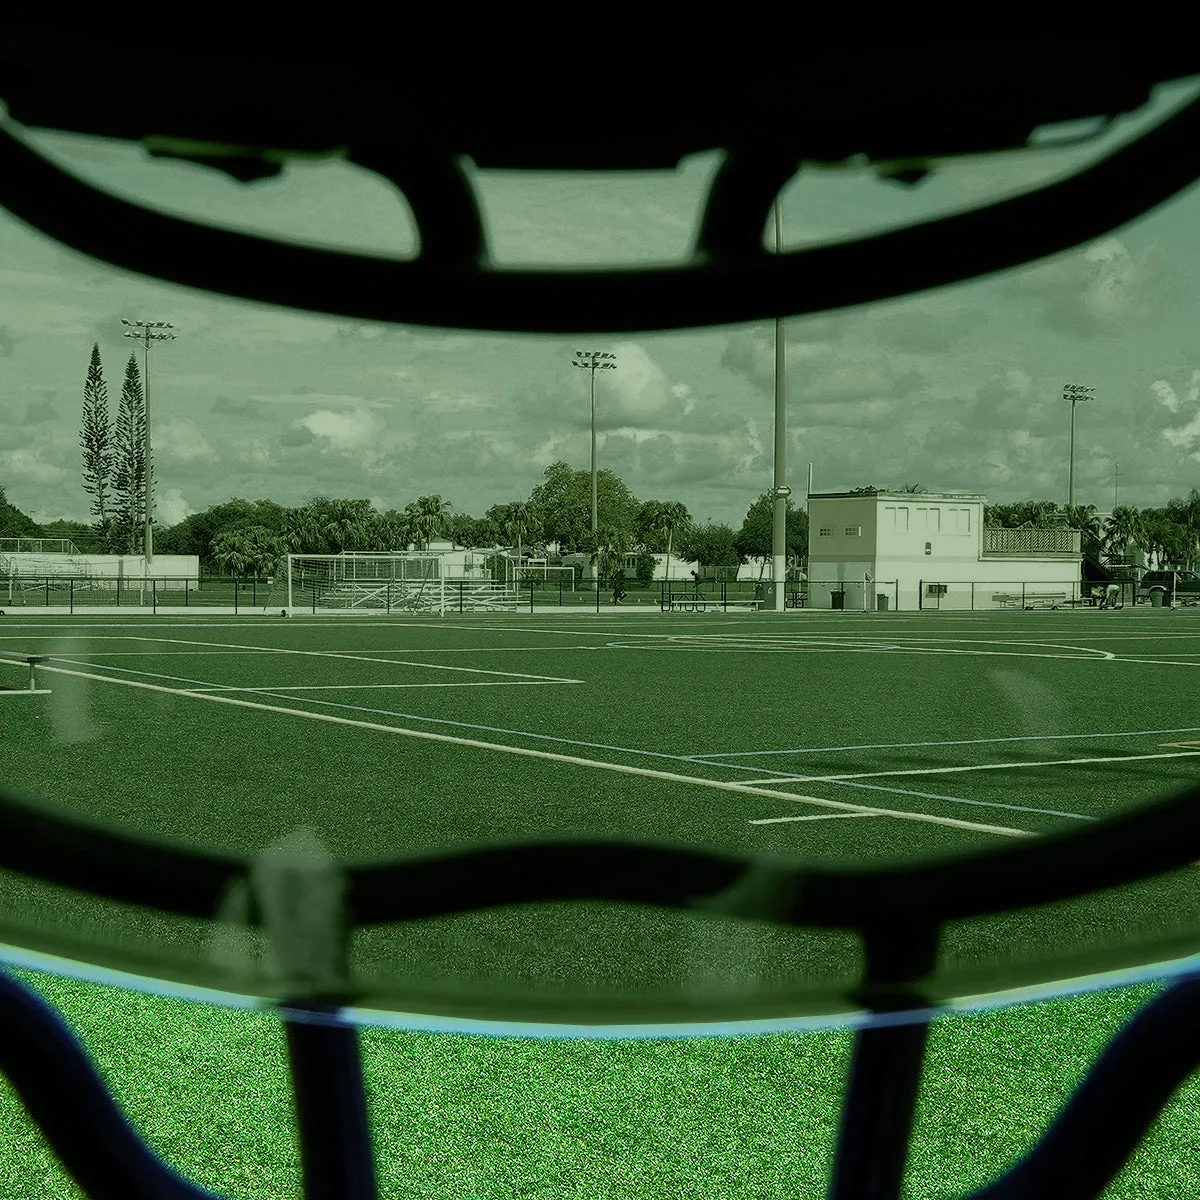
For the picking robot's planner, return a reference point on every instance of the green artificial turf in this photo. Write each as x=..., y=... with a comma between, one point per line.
x=710, y=1118
x=920, y=709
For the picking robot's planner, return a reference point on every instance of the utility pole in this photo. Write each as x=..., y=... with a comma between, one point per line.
x=1074, y=392
x=147, y=332
x=781, y=489
x=1116, y=481
x=594, y=360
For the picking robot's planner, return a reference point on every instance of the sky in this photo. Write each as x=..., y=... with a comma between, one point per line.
x=956, y=389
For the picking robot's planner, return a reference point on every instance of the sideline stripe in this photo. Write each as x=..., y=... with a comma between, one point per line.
x=817, y=817
x=356, y=687
x=391, y=662
x=1024, y=737
x=618, y=768
x=1061, y=762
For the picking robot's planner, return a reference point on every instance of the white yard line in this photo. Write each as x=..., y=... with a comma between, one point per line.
x=1025, y=737
x=356, y=687
x=548, y=756
x=1008, y=766
x=816, y=817
x=395, y=662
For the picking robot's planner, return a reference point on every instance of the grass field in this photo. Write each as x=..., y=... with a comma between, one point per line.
x=835, y=737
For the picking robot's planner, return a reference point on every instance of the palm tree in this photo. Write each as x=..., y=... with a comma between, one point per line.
x=667, y=519
x=912, y=488
x=608, y=551
x=519, y=521
x=347, y=524
x=1164, y=540
x=428, y=516
x=1084, y=518
x=1122, y=529
x=231, y=551
x=1186, y=515
x=392, y=531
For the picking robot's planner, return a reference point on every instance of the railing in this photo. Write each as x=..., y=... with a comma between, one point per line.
x=20, y=545
x=985, y=594
x=1031, y=541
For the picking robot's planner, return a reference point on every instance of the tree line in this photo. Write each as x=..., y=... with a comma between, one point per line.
x=244, y=537
x=1169, y=536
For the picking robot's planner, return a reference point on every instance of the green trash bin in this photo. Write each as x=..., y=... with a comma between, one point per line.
x=881, y=604
x=837, y=599
x=1156, y=599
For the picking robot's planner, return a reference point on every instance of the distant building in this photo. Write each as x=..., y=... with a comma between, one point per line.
x=930, y=550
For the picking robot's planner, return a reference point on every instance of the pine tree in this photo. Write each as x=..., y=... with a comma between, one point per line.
x=129, y=474
x=95, y=439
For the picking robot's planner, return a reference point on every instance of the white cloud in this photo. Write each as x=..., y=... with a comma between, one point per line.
x=1169, y=398
x=343, y=431
x=182, y=439
x=170, y=507
x=1105, y=288
x=1187, y=435
x=31, y=465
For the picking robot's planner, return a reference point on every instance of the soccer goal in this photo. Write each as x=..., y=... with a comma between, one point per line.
x=404, y=581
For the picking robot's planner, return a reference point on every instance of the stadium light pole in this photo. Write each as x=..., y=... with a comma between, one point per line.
x=594, y=360
x=1074, y=392
x=781, y=490
x=147, y=332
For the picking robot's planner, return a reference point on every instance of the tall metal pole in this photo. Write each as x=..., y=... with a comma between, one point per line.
x=1071, y=480
x=1116, y=482
x=782, y=491
x=594, y=360
x=1074, y=392
x=147, y=332
x=593, y=451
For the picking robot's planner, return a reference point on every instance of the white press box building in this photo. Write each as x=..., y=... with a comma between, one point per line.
x=930, y=550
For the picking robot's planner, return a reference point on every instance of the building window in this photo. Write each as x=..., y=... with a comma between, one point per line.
x=824, y=532
x=853, y=530
x=902, y=519
x=935, y=589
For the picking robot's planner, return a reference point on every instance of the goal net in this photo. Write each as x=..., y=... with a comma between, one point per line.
x=366, y=581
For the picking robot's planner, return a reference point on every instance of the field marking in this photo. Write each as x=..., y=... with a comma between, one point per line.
x=1186, y=745
x=377, y=650
x=395, y=662
x=816, y=817
x=1024, y=737
x=525, y=752
x=1062, y=762
x=852, y=643
x=355, y=687
x=1158, y=662
x=1021, y=808
x=546, y=737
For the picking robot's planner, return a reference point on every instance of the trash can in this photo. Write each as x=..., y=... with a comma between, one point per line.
x=1156, y=599
x=837, y=599
x=881, y=603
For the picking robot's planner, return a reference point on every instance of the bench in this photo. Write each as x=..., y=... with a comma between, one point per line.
x=32, y=660
x=1030, y=600
x=691, y=603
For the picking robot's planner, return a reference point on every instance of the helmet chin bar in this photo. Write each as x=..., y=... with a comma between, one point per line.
x=728, y=278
